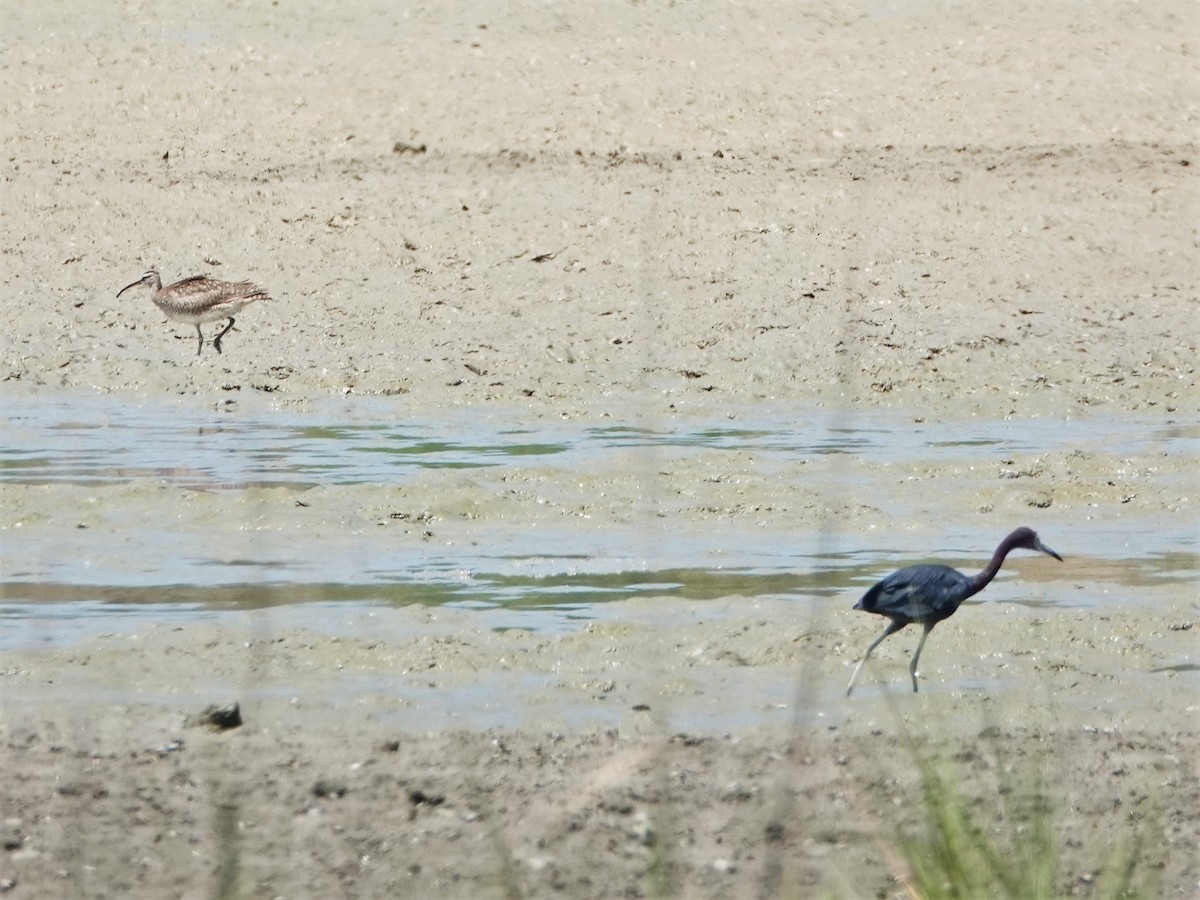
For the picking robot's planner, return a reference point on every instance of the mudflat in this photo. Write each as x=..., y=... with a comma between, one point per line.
x=632, y=215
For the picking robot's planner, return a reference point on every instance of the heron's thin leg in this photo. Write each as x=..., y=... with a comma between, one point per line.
x=224, y=331
x=912, y=669
x=199, y=346
x=891, y=629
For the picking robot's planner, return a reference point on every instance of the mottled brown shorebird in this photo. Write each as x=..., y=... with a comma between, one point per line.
x=199, y=299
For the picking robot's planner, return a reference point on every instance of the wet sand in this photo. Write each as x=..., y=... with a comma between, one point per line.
x=638, y=216
x=351, y=775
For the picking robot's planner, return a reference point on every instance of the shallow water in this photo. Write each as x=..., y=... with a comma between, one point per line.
x=101, y=439
x=97, y=440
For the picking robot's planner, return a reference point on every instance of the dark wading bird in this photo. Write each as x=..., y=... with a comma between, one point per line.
x=199, y=299
x=928, y=594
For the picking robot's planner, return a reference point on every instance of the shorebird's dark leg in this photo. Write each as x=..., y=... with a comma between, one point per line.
x=224, y=331
x=199, y=346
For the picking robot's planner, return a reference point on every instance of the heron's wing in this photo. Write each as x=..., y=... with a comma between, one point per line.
x=917, y=594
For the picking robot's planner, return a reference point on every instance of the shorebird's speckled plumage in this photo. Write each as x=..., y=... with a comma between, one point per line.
x=200, y=299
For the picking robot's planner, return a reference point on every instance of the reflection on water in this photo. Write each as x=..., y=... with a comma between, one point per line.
x=104, y=440
x=98, y=440
x=544, y=602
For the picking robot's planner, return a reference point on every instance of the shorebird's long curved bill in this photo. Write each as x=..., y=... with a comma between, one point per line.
x=141, y=280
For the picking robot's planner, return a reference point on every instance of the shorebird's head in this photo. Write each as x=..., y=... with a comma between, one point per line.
x=150, y=279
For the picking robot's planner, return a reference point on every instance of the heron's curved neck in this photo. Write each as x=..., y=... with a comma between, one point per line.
x=984, y=578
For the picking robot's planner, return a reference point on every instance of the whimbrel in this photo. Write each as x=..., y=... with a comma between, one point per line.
x=199, y=299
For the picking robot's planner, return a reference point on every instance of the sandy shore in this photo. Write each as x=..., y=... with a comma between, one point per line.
x=639, y=215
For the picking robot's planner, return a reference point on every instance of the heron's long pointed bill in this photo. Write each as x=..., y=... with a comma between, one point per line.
x=1048, y=551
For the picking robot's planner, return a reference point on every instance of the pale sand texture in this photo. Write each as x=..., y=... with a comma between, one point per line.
x=986, y=212
x=631, y=211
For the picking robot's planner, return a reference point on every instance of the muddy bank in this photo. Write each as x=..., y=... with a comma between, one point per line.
x=572, y=763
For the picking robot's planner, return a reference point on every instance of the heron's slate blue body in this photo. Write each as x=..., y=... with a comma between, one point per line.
x=918, y=594
x=927, y=594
